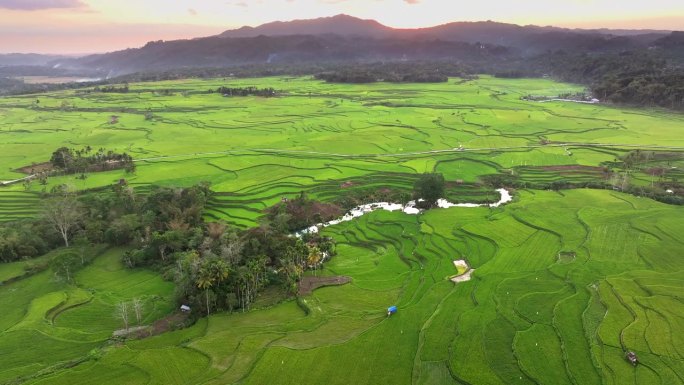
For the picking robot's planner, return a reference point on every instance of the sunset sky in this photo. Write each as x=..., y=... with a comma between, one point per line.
x=84, y=26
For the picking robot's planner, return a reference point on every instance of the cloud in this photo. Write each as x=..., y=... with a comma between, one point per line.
x=411, y=1
x=192, y=12
x=35, y=5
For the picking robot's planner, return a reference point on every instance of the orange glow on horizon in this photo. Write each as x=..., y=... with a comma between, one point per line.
x=104, y=25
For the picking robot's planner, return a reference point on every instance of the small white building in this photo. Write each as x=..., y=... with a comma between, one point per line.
x=185, y=308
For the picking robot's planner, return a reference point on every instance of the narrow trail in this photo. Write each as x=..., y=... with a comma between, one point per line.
x=10, y=182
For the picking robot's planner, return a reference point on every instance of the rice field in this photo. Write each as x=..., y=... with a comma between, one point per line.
x=564, y=283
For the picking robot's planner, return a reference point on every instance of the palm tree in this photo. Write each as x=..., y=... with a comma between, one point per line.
x=204, y=281
x=211, y=272
x=314, y=258
x=220, y=270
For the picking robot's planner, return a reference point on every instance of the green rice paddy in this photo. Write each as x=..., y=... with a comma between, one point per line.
x=564, y=282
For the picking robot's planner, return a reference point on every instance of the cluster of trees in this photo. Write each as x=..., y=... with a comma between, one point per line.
x=292, y=215
x=214, y=265
x=24, y=240
x=356, y=196
x=579, y=96
x=637, y=78
x=112, y=89
x=428, y=189
x=392, y=72
x=87, y=159
x=247, y=91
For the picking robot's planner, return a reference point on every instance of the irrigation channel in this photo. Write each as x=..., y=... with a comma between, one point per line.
x=411, y=209
x=408, y=208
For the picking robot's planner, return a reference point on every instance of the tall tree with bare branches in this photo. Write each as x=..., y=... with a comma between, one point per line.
x=138, y=309
x=64, y=214
x=122, y=313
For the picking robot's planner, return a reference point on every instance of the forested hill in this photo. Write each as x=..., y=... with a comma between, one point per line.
x=223, y=52
x=529, y=38
x=347, y=39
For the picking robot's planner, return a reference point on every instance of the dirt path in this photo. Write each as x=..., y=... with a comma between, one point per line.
x=9, y=182
x=308, y=284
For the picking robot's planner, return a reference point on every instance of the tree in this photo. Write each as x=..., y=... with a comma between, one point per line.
x=122, y=312
x=65, y=265
x=64, y=214
x=314, y=259
x=430, y=188
x=62, y=158
x=211, y=272
x=82, y=243
x=138, y=309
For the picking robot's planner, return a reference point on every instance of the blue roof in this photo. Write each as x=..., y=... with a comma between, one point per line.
x=392, y=309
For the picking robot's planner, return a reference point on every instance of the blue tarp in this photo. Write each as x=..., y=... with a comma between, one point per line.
x=392, y=309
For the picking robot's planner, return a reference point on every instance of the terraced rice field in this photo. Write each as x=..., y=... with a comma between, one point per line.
x=316, y=136
x=48, y=324
x=564, y=282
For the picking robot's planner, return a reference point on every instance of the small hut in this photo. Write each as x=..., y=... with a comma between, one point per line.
x=185, y=308
x=632, y=358
x=391, y=310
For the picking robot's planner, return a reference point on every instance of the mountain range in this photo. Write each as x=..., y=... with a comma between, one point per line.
x=344, y=38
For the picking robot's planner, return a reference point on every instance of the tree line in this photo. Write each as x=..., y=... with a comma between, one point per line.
x=392, y=72
x=112, y=89
x=247, y=91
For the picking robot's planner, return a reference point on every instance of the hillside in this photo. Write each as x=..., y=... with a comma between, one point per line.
x=528, y=38
x=344, y=38
x=343, y=25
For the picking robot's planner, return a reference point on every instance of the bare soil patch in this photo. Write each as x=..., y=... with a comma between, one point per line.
x=36, y=168
x=171, y=322
x=308, y=284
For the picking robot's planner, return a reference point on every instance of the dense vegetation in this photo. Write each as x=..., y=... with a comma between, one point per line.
x=86, y=159
x=638, y=78
x=213, y=265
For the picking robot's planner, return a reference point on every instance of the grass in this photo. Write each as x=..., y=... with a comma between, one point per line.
x=564, y=282
x=63, y=322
